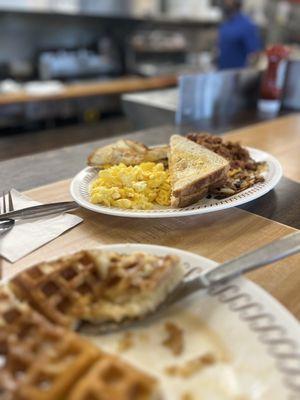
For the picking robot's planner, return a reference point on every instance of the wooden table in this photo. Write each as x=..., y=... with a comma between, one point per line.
x=281, y=137
x=219, y=236
x=97, y=88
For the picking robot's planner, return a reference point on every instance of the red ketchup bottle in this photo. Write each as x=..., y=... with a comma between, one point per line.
x=273, y=79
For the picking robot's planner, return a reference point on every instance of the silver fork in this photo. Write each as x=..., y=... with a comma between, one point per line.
x=6, y=206
x=209, y=279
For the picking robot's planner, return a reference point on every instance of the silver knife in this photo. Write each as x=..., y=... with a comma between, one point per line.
x=40, y=211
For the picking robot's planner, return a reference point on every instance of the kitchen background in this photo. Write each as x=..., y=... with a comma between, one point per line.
x=70, y=48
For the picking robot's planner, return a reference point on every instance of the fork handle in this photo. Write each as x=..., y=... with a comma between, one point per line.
x=275, y=251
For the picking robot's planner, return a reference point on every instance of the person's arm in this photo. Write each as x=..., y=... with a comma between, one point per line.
x=256, y=60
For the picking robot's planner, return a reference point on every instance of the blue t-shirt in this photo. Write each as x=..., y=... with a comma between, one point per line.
x=238, y=37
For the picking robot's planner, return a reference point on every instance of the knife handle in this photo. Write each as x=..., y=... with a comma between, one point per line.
x=40, y=211
x=272, y=252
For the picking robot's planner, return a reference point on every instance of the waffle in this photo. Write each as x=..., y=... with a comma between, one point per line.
x=57, y=289
x=62, y=358
x=42, y=361
x=111, y=379
x=39, y=361
x=98, y=286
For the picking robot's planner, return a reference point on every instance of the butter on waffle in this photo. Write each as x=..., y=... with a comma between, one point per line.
x=98, y=286
x=112, y=379
x=39, y=361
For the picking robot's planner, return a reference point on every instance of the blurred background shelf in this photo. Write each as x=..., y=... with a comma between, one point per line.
x=68, y=62
x=92, y=88
x=155, y=11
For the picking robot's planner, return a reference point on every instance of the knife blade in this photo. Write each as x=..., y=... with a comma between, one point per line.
x=42, y=210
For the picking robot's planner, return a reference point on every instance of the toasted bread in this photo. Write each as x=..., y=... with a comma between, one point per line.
x=193, y=170
x=184, y=201
x=127, y=152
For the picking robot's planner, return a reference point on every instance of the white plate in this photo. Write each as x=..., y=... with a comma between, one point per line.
x=80, y=193
x=260, y=338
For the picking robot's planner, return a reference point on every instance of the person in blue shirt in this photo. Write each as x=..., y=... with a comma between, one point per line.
x=238, y=37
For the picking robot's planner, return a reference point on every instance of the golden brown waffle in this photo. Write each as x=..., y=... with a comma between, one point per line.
x=57, y=289
x=62, y=359
x=112, y=379
x=42, y=360
x=17, y=324
x=98, y=286
x=39, y=361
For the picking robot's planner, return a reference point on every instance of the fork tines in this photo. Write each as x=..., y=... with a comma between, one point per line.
x=7, y=204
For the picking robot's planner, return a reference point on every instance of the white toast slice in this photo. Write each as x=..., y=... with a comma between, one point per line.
x=193, y=170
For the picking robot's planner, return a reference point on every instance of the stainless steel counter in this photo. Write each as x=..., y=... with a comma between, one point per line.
x=149, y=109
x=155, y=108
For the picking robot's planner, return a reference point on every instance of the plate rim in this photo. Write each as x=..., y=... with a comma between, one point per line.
x=118, y=212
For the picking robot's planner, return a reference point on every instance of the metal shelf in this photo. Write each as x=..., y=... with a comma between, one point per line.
x=159, y=19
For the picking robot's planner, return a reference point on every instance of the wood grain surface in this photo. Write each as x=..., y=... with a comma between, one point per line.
x=280, y=137
x=97, y=88
x=219, y=236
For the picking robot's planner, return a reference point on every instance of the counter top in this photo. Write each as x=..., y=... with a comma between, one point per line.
x=167, y=99
x=96, y=88
x=158, y=107
x=280, y=137
x=219, y=236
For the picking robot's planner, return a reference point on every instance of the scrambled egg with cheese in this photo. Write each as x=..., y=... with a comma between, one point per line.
x=132, y=187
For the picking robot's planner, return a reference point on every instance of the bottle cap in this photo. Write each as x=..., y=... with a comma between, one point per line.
x=269, y=106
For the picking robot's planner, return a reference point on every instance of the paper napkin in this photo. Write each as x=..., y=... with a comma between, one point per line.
x=29, y=235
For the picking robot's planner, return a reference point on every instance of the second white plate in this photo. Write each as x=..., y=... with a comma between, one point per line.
x=258, y=338
x=80, y=193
